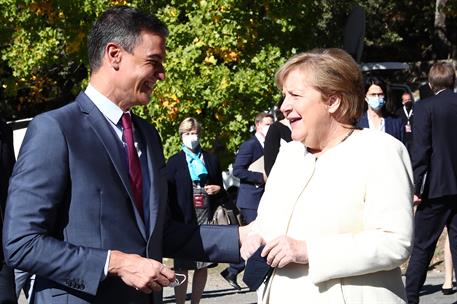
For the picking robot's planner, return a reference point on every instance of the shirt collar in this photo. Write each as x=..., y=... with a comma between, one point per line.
x=106, y=106
x=260, y=138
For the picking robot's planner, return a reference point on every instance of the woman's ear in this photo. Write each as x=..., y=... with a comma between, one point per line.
x=333, y=104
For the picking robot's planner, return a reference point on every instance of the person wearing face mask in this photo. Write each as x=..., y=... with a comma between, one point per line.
x=376, y=116
x=194, y=188
x=405, y=113
x=252, y=182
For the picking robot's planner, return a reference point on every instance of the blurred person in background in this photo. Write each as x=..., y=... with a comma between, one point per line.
x=278, y=134
x=376, y=116
x=434, y=160
x=249, y=167
x=194, y=187
x=405, y=113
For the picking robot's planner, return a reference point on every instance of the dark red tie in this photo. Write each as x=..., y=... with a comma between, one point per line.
x=134, y=163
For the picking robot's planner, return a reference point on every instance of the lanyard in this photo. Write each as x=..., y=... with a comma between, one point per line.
x=408, y=114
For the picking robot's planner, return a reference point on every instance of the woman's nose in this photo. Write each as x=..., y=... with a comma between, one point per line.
x=286, y=106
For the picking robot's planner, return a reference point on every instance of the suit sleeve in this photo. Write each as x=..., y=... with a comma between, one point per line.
x=422, y=144
x=243, y=159
x=36, y=213
x=211, y=243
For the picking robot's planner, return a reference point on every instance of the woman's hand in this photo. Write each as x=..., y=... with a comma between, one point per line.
x=284, y=250
x=250, y=245
x=212, y=189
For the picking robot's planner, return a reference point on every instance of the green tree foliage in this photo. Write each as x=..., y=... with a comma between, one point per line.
x=221, y=54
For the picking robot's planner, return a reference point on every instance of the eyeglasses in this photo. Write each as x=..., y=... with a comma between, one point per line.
x=180, y=278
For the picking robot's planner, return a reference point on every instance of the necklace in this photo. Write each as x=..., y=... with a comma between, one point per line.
x=347, y=135
x=317, y=154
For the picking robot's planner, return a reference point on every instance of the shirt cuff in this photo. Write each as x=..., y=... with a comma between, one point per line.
x=105, y=270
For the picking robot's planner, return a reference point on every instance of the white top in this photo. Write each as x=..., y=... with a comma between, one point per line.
x=353, y=206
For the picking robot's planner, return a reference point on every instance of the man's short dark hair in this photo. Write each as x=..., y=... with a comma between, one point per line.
x=441, y=76
x=122, y=25
x=260, y=116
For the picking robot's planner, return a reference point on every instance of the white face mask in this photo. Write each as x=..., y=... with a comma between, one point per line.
x=191, y=141
x=376, y=102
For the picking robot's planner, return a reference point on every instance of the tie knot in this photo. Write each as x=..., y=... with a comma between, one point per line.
x=126, y=121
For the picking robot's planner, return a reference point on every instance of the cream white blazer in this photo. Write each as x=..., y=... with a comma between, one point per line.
x=353, y=207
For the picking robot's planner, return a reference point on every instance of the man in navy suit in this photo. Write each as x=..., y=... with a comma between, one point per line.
x=434, y=160
x=87, y=203
x=7, y=290
x=252, y=183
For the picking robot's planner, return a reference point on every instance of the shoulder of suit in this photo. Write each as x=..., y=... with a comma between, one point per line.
x=63, y=115
x=248, y=142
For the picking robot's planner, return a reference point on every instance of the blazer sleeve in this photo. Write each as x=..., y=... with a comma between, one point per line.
x=385, y=238
x=422, y=144
x=244, y=158
x=37, y=198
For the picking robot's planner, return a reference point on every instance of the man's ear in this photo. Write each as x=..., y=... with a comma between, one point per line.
x=113, y=53
x=333, y=104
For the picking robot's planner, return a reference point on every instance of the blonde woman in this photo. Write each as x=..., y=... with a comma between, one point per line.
x=331, y=230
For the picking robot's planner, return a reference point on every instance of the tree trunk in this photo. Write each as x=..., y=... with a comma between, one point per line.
x=442, y=45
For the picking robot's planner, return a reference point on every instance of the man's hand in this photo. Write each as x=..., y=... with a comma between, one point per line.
x=284, y=250
x=140, y=273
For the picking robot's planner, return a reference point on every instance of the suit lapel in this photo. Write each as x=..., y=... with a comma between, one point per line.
x=107, y=137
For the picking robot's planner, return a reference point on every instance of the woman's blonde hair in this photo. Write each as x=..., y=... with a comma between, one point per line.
x=189, y=124
x=332, y=72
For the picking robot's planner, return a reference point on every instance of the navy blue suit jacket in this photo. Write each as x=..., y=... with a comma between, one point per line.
x=393, y=125
x=434, y=148
x=252, y=183
x=70, y=201
x=180, y=188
